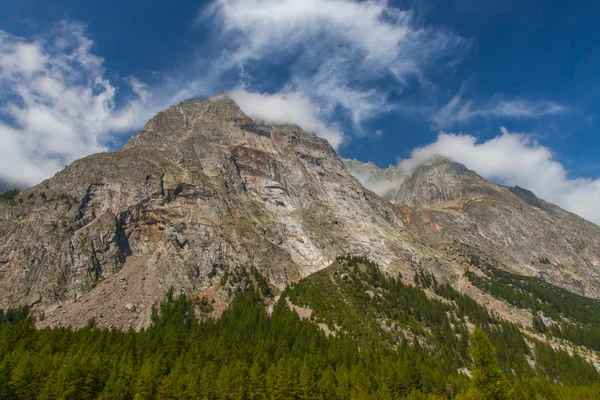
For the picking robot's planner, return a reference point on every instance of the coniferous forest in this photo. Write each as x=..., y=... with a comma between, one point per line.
x=250, y=353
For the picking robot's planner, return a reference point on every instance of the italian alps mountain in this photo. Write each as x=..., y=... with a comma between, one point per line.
x=201, y=191
x=450, y=207
x=204, y=192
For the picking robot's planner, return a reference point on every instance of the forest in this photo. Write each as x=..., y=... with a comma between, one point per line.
x=576, y=318
x=250, y=353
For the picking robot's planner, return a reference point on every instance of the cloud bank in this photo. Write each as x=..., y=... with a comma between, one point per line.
x=516, y=159
x=57, y=104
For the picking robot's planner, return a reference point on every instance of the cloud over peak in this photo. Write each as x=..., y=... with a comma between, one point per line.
x=516, y=159
x=287, y=108
x=341, y=50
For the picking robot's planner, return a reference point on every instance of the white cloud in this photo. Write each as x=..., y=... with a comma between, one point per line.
x=516, y=159
x=139, y=88
x=57, y=104
x=459, y=110
x=287, y=23
x=381, y=186
x=287, y=107
x=340, y=48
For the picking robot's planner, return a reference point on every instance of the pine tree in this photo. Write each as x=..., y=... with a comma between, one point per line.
x=487, y=379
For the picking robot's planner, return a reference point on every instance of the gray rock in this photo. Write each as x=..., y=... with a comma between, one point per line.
x=454, y=210
x=202, y=190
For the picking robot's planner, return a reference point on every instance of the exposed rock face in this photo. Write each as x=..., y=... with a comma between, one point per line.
x=200, y=190
x=450, y=207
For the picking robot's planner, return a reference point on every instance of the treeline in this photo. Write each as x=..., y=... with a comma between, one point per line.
x=577, y=317
x=359, y=299
x=251, y=354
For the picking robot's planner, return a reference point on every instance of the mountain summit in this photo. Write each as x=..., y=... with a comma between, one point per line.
x=448, y=203
x=200, y=191
x=203, y=191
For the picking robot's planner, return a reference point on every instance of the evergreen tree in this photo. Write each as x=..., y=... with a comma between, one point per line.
x=488, y=382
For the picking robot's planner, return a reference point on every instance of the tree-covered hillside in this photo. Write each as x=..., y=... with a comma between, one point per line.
x=355, y=297
x=390, y=340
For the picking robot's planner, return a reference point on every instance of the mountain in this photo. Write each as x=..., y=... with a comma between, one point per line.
x=203, y=193
x=454, y=210
x=299, y=281
x=200, y=191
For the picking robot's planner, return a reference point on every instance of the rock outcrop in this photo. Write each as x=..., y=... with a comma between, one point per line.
x=451, y=208
x=203, y=191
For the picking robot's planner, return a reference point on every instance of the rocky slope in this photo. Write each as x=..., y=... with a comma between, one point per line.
x=455, y=210
x=201, y=190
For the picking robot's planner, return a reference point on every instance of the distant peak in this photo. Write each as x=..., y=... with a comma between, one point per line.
x=438, y=161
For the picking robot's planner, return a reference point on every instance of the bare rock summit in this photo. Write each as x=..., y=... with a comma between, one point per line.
x=203, y=192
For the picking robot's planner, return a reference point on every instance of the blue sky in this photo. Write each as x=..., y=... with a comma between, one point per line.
x=512, y=90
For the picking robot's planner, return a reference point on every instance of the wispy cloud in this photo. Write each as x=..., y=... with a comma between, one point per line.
x=517, y=159
x=458, y=110
x=341, y=49
x=57, y=103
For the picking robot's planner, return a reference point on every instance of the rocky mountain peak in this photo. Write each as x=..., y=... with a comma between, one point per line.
x=203, y=191
x=438, y=161
x=177, y=122
x=438, y=180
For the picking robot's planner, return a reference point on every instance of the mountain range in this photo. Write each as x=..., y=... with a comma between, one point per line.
x=203, y=192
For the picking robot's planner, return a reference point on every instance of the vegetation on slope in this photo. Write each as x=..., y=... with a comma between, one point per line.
x=251, y=354
x=355, y=297
x=577, y=318
x=9, y=195
x=246, y=354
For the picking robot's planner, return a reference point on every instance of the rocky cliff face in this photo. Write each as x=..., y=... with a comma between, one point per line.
x=450, y=207
x=201, y=190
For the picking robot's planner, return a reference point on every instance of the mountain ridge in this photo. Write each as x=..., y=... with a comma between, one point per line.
x=516, y=228
x=200, y=190
x=203, y=191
